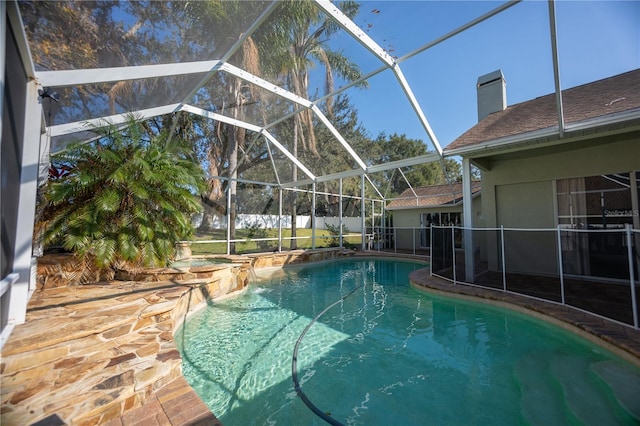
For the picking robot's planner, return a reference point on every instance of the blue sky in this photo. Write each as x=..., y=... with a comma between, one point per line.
x=596, y=39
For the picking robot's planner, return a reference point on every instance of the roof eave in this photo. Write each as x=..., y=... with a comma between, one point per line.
x=456, y=203
x=546, y=136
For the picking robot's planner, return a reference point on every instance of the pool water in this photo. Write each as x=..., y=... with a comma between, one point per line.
x=390, y=354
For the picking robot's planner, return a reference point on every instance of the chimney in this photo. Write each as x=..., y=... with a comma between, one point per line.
x=492, y=94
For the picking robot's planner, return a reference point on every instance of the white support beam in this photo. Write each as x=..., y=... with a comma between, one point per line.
x=416, y=108
x=82, y=126
x=362, y=214
x=273, y=164
x=108, y=75
x=252, y=127
x=421, y=49
x=339, y=137
x=15, y=23
x=221, y=118
x=257, y=81
x=341, y=222
x=556, y=66
x=408, y=183
x=232, y=50
x=406, y=162
x=313, y=216
x=339, y=175
x=240, y=180
x=372, y=169
x=297, y=183
x=279, y=220
x=459, y=30
x=19, y=291
x=228, y=215
x=467, y=214
x=289, y=155
x=349, y=26
x=3, y=60
x=245, y=157
x=375, y=188
x=378, y=51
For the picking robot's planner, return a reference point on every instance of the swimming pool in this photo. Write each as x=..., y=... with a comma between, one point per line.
x=390, y=354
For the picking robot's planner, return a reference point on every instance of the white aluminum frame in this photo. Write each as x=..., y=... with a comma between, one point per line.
x=32, y=135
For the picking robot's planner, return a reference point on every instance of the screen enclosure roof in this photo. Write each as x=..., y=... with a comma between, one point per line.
x=272, y=67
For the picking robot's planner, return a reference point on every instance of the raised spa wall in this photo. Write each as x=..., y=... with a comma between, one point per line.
x=89, y=353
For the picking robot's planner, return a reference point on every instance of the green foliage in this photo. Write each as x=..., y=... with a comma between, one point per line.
x=397, y=147
x=126, y=200
x=323, y=239
x=335, y=232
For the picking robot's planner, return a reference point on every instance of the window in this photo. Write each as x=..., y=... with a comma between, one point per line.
x=604, y=204
x=596, y=202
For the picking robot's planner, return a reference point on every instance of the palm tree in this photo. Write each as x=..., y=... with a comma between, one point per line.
x=227, y=15
x=125, y=200
x=307, y=31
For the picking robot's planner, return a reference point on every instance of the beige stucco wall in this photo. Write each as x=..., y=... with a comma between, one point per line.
x=585, y=158
x=519, y=191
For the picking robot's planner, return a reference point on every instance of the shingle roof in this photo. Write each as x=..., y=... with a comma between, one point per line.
x=597, y=99
x=431, y=196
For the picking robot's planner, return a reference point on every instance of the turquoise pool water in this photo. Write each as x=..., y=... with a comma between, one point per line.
x=390, y=354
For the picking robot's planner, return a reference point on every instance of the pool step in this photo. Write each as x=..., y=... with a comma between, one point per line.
x=580, y=393
x=624, y=384
x=574, y=391
x=542, y=397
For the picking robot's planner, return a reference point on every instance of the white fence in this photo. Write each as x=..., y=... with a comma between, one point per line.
x=266, y=221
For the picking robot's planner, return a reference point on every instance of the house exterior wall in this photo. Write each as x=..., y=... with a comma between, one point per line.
x=410, y=218
x=520, y=193
x=619, y=155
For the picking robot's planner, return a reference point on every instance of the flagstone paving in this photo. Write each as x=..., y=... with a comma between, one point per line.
x=91, y=353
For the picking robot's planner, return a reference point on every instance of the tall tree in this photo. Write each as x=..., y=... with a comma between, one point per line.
x=231, y=101
x=396, y=147
x=307, y=31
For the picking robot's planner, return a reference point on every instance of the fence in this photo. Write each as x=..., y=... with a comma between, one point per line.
x=272, y=221
x=592, y=270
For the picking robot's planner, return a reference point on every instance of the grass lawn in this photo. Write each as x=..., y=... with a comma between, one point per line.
x=323, y=239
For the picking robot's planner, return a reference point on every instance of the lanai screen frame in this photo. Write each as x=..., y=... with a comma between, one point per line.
x=19, y=290
x=106, y=75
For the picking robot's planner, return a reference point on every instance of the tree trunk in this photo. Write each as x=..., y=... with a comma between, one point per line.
x=294, y=194
x=213, y=206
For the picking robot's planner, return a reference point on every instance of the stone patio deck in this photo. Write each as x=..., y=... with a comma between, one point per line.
x=92, y=353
